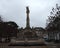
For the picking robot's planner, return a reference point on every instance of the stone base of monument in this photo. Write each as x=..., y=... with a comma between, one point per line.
x=39, y=42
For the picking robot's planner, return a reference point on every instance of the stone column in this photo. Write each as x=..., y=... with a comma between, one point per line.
x=27, y=19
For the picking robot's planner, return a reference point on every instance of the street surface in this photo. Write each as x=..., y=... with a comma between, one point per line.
x=49, y=45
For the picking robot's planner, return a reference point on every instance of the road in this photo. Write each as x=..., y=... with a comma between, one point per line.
x=49, y=45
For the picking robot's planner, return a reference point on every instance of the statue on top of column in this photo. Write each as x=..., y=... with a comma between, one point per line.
x=27, y=9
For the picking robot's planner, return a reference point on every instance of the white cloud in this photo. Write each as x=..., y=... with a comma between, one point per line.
x=14, y=10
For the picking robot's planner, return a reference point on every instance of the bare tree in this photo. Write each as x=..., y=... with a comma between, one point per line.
x=54, y=19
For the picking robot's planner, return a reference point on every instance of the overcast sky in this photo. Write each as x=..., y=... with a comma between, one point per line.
x=15, y=10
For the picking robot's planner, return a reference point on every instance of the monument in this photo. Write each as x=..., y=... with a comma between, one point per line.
x=29, y=32
x=27, y=19
x=28, y=35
